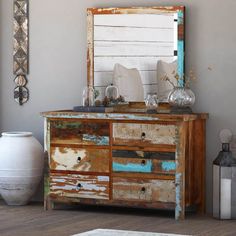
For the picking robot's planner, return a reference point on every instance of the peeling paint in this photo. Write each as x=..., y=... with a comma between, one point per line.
x=80, y=186
x=180, y=17
x=178, y=207
x=101, y=140
x=180, y=62
x=136, y=10
x=168, y=165
x=126, y=133
x=154, y=190
x=103, y=178
x=79, y=159
x=180, y=46
x=132, y=167
x=106, y=116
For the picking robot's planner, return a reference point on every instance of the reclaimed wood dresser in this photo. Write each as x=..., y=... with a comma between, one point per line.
x=126, y=159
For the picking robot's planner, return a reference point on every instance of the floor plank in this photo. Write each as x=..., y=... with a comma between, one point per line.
x=32, y=220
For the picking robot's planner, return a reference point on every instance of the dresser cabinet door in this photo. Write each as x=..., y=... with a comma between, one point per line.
x=143, y=162
x=127, y=134
x=79, y=159
x=79, y=132
x=143, y=189
x=79, y=186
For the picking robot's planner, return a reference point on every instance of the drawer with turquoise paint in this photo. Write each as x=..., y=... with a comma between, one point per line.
x=143, y=162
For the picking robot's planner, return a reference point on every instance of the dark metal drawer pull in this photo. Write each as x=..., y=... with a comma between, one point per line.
x=143, y=135
x=143, y=162
x=78, y=159
x=143, y=189
x=79, y=186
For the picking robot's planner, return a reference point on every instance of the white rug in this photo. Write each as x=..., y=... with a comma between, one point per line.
x=113, y=232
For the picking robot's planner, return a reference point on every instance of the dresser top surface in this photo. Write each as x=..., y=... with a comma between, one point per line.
x=123, y=115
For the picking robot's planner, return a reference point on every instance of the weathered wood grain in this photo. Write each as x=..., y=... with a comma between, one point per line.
x=140, y=175
x=126, y=153
x=162, y=20
x=145, y=162
x=136, y=10
x=143, y=190
x=142, y=63
x=132, y=165
x=79, y=186
x=90, y=62
x=46, y=179
x=143, y=134
x=124, y=116
x=79, y=159
x=79, y=132
x=31, y=220
x=181, y=140
x=131, y=49
x=130, y=34
x=199, y=163
x=164, y=148
x=176, y=176
x=165, y=25
x=189, y=165
x=143, y=165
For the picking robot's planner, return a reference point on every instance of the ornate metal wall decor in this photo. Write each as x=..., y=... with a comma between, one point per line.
x=21, y=93
x=20, y=50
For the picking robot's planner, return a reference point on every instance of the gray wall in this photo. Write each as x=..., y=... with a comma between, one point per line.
x=58, y=62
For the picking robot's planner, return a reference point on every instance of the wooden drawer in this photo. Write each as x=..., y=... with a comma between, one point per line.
x=79, y=186
x=79, y=159
x=143, y=134
x=143, y=190
x=79, y=132
x=143, y=162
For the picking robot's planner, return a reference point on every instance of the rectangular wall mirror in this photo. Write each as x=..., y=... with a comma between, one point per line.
x=134, y=38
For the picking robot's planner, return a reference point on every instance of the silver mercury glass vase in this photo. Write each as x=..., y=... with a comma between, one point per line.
x=181, y=99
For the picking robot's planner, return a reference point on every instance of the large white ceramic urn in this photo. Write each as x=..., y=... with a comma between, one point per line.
x=21, y=166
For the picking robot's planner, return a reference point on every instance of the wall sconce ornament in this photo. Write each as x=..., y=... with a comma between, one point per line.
x=20, y=49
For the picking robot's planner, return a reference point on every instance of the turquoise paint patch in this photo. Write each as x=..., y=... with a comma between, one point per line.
x=102, y=140
x=181, y=62
x=180, y=17
x=131, y=167
x=168, y=165
x=180, y=52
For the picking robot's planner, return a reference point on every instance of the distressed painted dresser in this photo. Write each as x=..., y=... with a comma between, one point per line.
x=126, y=159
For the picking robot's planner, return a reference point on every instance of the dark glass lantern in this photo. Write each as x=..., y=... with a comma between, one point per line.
x=224, y=180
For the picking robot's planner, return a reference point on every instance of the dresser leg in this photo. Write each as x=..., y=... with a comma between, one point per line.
x=179, y=214
x=180, y=207
x=48, y=204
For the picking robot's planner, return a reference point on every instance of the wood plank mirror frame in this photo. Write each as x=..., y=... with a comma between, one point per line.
x=135, y=38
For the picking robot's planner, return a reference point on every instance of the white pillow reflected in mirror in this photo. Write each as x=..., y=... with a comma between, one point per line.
x=128, y=82
x=164, y=87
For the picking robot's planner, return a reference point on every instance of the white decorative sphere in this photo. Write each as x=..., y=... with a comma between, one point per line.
x=226, y=136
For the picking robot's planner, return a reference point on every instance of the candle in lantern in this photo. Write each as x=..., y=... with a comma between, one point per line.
x=225, y=199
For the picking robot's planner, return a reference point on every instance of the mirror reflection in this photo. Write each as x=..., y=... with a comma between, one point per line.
x=133, y=48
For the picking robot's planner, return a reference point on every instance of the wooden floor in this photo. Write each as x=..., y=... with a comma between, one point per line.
x=34, y=221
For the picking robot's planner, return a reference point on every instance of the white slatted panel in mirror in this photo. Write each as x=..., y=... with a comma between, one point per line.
x=134, y=41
